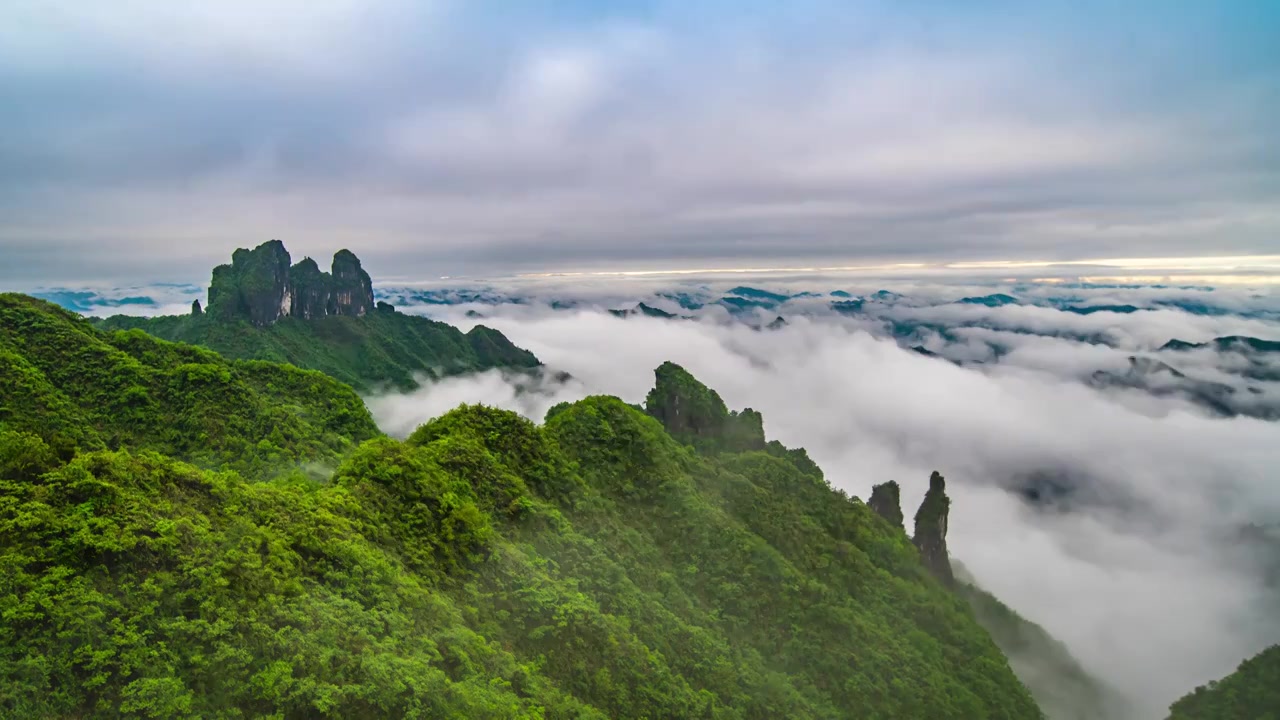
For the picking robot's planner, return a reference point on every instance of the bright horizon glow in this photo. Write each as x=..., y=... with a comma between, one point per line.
x=1263, y=267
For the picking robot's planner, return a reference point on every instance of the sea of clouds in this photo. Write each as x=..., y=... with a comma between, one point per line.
x=1131, y=511
x=1113, y=516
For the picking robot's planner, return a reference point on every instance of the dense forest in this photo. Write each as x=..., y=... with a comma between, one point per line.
x=187, y=535
x=1252, y=691
x=591, y=566
x=1062, y=687
x=263, y=308
x=79, y=388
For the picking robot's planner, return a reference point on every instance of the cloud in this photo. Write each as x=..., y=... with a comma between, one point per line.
x=1145, y=330
x=1136, y=570
x=471, y=138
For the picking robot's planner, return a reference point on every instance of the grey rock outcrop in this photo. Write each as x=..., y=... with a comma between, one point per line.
x=931, y=530
x=886, y=501
x=352, y=288
x=260, y=286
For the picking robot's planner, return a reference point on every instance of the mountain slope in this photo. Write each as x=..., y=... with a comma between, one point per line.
x=382, y=348
x=1252, y=692
x=486, y=567
x=76, y=386
x=1064, y=690
x=261, y=308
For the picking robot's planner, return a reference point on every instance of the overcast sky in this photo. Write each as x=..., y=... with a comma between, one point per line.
x=146, y=140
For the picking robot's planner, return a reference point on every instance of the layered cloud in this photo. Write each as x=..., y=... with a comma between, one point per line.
x=460, y=138
x=1113, y=517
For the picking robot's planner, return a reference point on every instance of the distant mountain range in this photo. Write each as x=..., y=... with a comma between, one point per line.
x=262, y=307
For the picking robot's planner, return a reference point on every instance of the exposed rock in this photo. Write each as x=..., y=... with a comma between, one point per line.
x=931, y=530
x=311, y=290
x=385, y=307
x=686, y=408
x=886, y=501
x=694, y=413
x=255, y=286
x=777, y=324
x=352, y=287
x=260, y=286
x=196, y=309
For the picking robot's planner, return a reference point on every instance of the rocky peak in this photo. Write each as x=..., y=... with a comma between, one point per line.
x=685, y=407
x=312, y=290
x=255, y=286
x=886, y=501
x=260, y=286
x=694, y=413
x=931, y=530
x=196, y=309
x=352, y=287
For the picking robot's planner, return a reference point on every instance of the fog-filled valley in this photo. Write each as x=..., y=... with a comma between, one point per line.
x=1138, y=523
x=639, y=360
x=1110, y=447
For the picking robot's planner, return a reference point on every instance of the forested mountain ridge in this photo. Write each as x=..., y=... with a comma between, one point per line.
x=1252, y=692
x=263, y=308
x=77, y=387
x=594, y=566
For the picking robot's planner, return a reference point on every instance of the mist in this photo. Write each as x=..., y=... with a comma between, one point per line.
x=1132, y=561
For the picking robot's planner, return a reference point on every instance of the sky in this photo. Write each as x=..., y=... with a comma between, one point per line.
x=146, y=140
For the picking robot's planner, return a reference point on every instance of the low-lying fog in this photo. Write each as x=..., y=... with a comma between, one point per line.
x=1132, y=554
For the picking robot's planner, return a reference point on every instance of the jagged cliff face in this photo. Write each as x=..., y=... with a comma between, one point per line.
x=886, y=500
x=254, y=287
x=931, y=530
x=352, y=288
x=694, y=413
x=260, y=286
x=312, y=289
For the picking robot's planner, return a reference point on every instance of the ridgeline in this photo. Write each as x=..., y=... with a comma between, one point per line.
x=263, y=308
x=188, y=535
x=166, y=554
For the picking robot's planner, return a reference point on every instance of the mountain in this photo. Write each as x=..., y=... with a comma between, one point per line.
x=612, y=562
x=1064, y=689
x=86, y=300
x=262, y=308
x=996, y=300
x=764, y=296
x=1091, y=309
x=1234, y=343
x=77, y=387
x=644, y=310
x=1163, y=380
x=1252, y=692
x=1061, y=687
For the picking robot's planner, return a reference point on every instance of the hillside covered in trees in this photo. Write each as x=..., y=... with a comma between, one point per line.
x=1252, y=692
x=263, y=308
x=593, y=566
x=79, y=388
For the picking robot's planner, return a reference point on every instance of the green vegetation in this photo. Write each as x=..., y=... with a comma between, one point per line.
x=1252, y=692
x=262, y=308
x=694, y=413
x=366, y=352
x=486, y=567
x=1064, y=690
x=76, y=387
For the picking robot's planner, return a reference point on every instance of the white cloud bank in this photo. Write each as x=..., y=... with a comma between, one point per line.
x=1136, y=574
